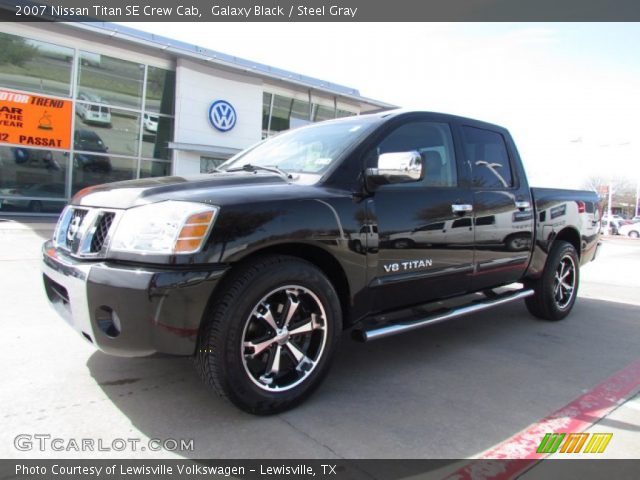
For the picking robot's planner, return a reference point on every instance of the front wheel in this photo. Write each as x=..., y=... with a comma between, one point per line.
x=557, y=288
x=634, y=234
x=272, y=331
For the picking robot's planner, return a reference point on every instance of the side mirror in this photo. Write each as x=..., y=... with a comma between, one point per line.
x=396, y=167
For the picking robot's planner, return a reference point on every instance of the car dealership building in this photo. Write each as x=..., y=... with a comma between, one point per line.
x=89, y=103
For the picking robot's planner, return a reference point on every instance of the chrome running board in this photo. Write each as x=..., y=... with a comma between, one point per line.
x=364, y=335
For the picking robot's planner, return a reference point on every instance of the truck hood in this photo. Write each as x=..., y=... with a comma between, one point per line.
x=216, y=188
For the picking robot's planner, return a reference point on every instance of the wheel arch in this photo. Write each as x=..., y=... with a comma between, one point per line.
x=318, y=257
x=570, y=235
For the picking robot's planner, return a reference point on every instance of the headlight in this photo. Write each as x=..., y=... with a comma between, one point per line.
x=164, y=228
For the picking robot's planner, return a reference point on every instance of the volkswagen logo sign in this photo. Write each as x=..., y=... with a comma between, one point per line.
x=222, y=115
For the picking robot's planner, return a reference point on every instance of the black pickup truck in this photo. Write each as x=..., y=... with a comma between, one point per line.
x=379, y=223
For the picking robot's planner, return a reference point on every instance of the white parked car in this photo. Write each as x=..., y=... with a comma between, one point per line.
x=616, y=222
x=631, y=230
x=150, y=123
x=93, y=114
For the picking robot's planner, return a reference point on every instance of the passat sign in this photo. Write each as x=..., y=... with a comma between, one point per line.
x=222, y=115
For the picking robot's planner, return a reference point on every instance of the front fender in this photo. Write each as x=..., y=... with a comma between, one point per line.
x=295, y=227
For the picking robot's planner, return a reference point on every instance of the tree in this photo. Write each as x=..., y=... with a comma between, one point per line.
x=15, y=50
x=623, y=191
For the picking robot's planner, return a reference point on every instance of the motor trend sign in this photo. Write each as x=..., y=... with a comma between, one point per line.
x=35, y=121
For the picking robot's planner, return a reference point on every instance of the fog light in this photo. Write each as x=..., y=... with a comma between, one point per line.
x=108, y=321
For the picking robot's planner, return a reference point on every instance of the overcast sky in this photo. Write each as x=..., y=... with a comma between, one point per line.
x=568, y=92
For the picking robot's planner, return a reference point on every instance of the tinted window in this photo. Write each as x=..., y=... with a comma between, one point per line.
x=463, y=222
x=589, y=207
x=488, y=220
x=432, y=226
x=487, y=153
x=434, y=143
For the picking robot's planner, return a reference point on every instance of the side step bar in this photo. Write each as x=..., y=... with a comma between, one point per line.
x=395, y=328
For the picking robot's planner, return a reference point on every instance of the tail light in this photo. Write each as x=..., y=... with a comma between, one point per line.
x=581, y=207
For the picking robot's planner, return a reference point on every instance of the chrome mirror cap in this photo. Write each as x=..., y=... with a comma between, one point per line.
x=397, y=167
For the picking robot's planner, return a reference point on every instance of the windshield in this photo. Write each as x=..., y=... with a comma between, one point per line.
x=307, y=150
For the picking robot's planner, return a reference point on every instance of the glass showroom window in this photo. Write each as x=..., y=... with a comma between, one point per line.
x=323, y=113
x=282, y=113
x=112, y=130
x=267, y=98
x=161, y=88
x=289, y=113
x=110, y=80
x=153, y=168
x=116, y=122
x=344, y=113
x=157, y=132
x=157, y=119
x=93, y=168
x=31, y=179
x=35, y=66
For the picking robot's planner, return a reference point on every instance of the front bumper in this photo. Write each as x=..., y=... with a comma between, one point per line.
x=129, y=310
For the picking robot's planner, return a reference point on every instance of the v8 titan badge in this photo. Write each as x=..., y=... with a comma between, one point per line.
x=222, y=115
x=32, y=120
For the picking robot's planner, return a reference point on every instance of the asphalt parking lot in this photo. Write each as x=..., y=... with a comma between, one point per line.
x=453, y=390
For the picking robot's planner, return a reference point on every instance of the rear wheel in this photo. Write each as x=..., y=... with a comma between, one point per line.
x=634, y=234
x=557, y=288
x=271, y=334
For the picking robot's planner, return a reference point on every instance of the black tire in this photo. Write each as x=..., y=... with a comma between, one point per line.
x=634, y=234
x=518, y=243
x=552, y=301
x=237, y=321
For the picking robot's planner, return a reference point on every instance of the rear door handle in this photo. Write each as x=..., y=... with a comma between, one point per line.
x=523, y=205
x=461, y=208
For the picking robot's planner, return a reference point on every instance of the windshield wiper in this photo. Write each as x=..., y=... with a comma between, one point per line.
x=248, y=167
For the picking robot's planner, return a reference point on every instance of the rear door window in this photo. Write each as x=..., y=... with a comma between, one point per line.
x=487, y=152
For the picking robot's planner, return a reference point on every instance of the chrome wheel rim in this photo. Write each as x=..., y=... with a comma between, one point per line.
x=284, y=338
x=564, y=282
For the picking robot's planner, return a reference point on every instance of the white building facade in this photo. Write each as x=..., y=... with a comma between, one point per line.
x=89, y=103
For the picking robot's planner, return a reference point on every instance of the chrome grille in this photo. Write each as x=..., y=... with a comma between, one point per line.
x=84, y=232
x=74, y=227
x=102, y=230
